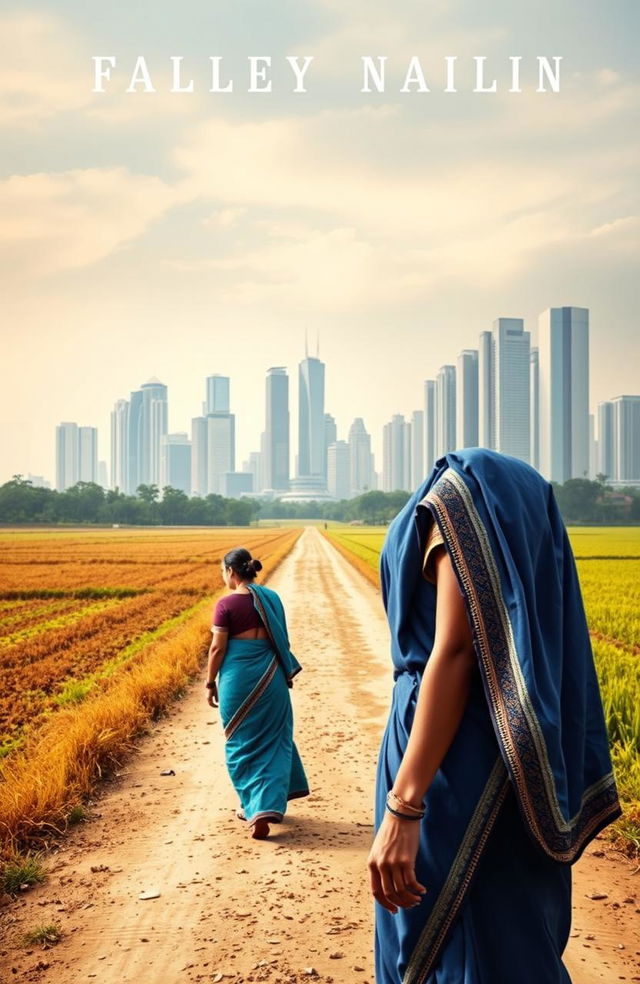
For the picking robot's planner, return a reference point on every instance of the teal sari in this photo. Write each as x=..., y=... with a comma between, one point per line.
x=255, y=707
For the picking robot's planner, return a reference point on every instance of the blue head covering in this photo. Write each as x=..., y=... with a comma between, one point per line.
x=511, y=554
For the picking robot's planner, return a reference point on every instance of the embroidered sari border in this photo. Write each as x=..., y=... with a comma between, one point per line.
x=450, y=899
x=514, y=718
x=257, y=692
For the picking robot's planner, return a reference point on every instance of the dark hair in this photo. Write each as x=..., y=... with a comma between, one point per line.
x=241, y=563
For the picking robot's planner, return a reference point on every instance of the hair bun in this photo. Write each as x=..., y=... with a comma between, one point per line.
x=256, y=565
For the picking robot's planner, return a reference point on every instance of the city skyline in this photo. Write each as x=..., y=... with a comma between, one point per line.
x=551, y=380
x=183, y=236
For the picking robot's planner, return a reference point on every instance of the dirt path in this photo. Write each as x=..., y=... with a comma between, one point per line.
x=288, y=909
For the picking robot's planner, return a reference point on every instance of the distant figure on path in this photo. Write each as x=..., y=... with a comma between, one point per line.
x=494, y=772
x=250, y=654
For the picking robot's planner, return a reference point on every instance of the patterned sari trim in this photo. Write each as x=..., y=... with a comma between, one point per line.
x=515, y=720
x=252, y=699
x=444, y=912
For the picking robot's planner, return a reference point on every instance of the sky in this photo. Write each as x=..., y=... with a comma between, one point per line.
x=179, y=235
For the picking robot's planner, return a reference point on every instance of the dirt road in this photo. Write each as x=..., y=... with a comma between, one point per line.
x=285, y=910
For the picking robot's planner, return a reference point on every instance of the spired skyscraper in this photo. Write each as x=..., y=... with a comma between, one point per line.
x=563, y=393
x=311, y=464
x=275, y=463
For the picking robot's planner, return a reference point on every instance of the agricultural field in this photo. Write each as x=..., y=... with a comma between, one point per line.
x=608, y=562
x=88, y=613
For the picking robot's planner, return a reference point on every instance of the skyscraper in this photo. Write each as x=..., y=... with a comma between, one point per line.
x=395, y=444
x=87, y=454
x=221, y=449
x=339, y=470
x=534, y=401
x=276, y=437
x=429, y=424
x=485, y=391
x=361, y=459
x=563, y=344
x=605, y=464
x=445, y=403
x=175, y=462
x=134, y=442
x=311, y=421
x=511, y=368
x=153, y=425
x=218, y=398
x=67, y=455
x=199, y=457
x=120, y=446
x=467, y=399
x=626, y=438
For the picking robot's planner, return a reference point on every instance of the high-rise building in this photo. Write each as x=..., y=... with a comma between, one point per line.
x=199, y=457
x=218, y=396
x=563, y=345
x=87, y=454
x=339, y=470
x=511, y=368
x=235, y=484
x=330, y=435
x=120, y=446
x=221, y=449
x=311, y=422
x=417, y=449
x=467, y=399
x=485, y=391
x=253, y=466
x=445, y=401
x=429, y=425
x=276, y=435
x=605, y=464
x=175, y=462
x=153, y=425
x=394, y=440
x=67, y=455
x=361, y=458
x=593, y=447
x=134, y=442
x=534, y=416
x=626, y=438
x=103, y=475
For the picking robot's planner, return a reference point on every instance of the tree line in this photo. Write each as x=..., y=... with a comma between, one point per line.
x=580, y=501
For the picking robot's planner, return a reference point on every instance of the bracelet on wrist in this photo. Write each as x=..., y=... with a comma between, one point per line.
x=211, y=685
x=411, y=817
x=398, y=801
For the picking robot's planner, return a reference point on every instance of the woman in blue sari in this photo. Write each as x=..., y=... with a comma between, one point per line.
x=250, y=655
x=494, y=772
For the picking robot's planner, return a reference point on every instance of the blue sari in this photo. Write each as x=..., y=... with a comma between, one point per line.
x=527, y=780
x=255, y=708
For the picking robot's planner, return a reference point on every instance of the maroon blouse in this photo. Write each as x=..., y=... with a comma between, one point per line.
x=236, y=612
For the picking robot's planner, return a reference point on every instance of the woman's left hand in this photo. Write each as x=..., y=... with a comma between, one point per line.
x=392, y=861
x=212, y=697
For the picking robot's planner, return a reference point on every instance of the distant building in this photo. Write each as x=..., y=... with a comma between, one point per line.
x=626, y=439
x=339, y=470
x=67, y=455
x=88, y=454
x=175, y=462
x=486, y=409
x=253, y=467
x=563, y=344
x=429, y=425
x=467, y=399
x=361, y=459
x=218, y=395
x=605, y=465
x=103, y=475
x=445, y=403
x=38, y=481
x=330, y=436
x=511, y=352
x=534, y=402
x=276, y=436
x=221, y=449
x=312, y=448
x=153, y=426
x=394, y=466
x=235, y=484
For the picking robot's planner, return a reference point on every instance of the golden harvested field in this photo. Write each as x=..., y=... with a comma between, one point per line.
x=608, y=562
x=76, y=605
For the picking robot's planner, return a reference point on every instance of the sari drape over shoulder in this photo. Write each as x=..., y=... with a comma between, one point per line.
x=527, y=781
x=255, y=708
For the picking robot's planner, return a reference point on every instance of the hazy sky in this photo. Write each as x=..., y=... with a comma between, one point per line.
x=180, y=235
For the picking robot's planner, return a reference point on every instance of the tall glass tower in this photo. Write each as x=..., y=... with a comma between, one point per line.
x=563, y=393
x=311, y=423
x=276, y=436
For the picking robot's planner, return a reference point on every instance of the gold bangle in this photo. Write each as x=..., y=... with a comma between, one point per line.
x=403, y=803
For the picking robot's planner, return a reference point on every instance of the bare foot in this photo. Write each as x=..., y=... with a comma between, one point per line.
x=260, y=829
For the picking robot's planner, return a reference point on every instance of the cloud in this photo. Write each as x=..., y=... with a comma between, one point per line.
x=54, y=222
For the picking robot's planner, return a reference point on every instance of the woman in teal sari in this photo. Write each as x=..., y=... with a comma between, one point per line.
x=494, y=772
x=250, y=655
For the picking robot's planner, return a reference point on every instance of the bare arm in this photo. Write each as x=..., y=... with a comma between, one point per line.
x=217, y=651
x=443, y=694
